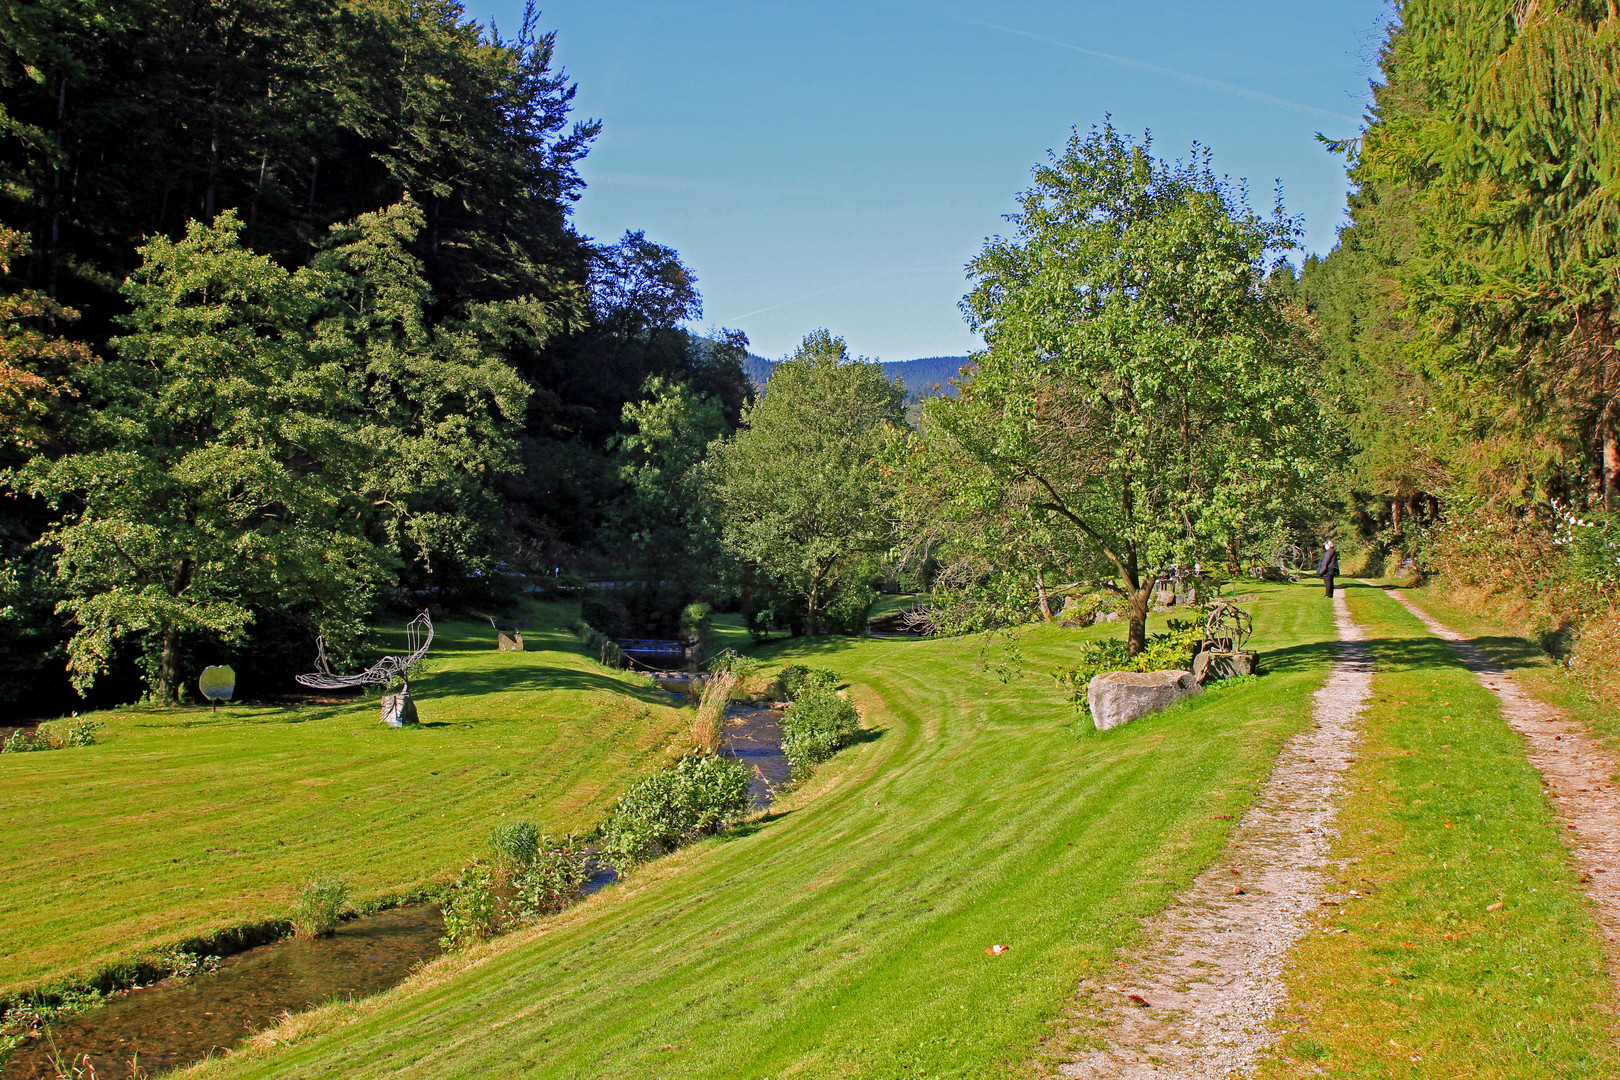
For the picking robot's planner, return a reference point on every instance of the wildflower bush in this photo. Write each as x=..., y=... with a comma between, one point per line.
x=697, y=795
x=469, y=907
x=815, y=726
x=53, y=735
x=527, y=876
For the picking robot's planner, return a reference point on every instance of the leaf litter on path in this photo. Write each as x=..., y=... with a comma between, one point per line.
x=1211, y=964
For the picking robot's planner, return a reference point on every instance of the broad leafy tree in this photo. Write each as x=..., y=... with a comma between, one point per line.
x=215, y=475
x=1141, y=389
x=266, y=440
x=799, y=488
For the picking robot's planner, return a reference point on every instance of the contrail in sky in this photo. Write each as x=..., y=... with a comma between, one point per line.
x=1196, y=80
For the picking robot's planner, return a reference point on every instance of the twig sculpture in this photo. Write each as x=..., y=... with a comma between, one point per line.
x=398, y=710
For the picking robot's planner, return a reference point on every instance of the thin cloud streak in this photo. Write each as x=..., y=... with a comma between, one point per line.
x=1196, y=80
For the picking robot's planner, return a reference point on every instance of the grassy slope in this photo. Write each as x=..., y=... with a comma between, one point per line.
x=180, y=821
x=844, y=934
x=1445, y=817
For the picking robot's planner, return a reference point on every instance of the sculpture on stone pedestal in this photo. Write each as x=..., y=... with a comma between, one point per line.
x=398, y=710
x=1222, y=656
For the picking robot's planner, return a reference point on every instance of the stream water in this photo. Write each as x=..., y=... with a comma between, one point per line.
x=175, y=1023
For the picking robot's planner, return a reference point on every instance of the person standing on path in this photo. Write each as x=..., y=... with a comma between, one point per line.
x=1329, y=568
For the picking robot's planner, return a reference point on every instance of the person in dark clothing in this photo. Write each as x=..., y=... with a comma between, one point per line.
x=1329, y=568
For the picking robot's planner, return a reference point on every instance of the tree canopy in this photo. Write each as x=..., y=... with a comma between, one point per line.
x=798, y=486
x=1141, y=389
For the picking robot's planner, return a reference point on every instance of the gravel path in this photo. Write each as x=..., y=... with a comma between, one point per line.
x=1194, y=1000
x=1577, y=769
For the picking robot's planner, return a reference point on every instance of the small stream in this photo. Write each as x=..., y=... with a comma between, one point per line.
x=754, y=737
x=175, y=1023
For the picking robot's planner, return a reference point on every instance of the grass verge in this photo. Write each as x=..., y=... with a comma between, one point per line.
x=1467, y=949
x=180, y=822
x=844, y=933
x=1521, y=652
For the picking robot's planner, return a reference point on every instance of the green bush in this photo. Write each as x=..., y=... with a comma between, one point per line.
x=322, y=902
x=1172, y=650
x=699, y=794
x=469, y=907
x=797, y=681
x=551, y=880
x=606, y=614
x=815, y=726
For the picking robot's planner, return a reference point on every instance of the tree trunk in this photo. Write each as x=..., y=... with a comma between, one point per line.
x=1040, y=591
x=1395, y=513
x=1141, y=597
x=810, y=610
x=168, y=687
x=169, y=668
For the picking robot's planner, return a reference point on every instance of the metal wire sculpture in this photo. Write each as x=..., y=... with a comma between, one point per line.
x=418, y=636
x=1290, y=557
x=1227, y=626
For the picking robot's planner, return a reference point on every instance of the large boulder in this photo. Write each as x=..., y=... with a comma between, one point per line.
x=1118, y=697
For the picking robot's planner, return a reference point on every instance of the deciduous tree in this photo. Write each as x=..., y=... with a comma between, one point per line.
x=798, y=487
x=1140, y=387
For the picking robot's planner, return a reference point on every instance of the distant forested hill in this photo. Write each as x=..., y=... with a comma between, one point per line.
x=921, y=376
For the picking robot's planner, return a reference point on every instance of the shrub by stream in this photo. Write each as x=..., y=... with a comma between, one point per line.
x=815, y=726
x=698, y=795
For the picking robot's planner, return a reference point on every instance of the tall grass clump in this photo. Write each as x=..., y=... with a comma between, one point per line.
x=512, y=847
x=709, y=722
x=321, y=904
x=698, y=795
x=815, y=726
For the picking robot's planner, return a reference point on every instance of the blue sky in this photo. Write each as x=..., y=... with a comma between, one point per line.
x=837, y=164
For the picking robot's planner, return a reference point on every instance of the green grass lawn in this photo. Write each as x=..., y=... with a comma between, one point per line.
x=1444, y=819
x=844, y=934
x=181, y=822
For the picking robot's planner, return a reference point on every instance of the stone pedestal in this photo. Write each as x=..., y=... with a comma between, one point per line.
x=398, y=710
x=1118, y=697
x=1212, y=664
x=509, y=644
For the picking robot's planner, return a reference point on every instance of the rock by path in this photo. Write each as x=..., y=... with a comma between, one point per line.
x=1578, y=771
x=1194, y=1000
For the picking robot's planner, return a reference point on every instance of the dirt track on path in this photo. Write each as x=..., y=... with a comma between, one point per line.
x=1577, y=769
x=1194, y=1000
